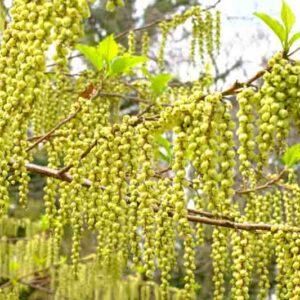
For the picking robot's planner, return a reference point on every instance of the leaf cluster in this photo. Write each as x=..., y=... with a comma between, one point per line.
x=105, y=57
x=284, y=28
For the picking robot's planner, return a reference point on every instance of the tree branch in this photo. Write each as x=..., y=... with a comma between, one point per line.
x=36, y=286
x=235, y=225
x=235, y=88
x=45, y=171
x=207, y=217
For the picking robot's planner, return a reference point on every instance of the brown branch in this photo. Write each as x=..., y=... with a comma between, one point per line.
x=208, y=219
x=207, y=214
x=235, y=225
x=235, y=88
x=162, y=171
x=278, y=183
x=64, y=176
x=238, y=85
x=36, y=286
x=285, y=186
x=66, y=74
x=45, y=171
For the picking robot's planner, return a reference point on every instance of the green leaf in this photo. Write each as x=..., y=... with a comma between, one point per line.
x=63, y=259
x=139, y=269
x=108, y=49
x=101, y=55
x=125, y=63
x=45, y=225
x=164, y=143
x=14, y=265
x=159, y=82
x=287, y=17
x=292, y=155
x=164, y=157
x=91, y=54
x=276, y=27
x=294, y=38
x=39, y=261
x=146, y=73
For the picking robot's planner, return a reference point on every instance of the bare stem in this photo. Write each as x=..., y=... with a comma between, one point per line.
x=50, y=132
x=265, y=185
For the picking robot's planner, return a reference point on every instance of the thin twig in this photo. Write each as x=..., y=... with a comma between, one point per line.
x=157, y=22
x=293, y=52
x=238, y=85
x=208, y=214
x=132, y=98
x=37, y=137
x=50, y=132
x=265, y=185
x=213, y=5
x=70, y=58
x=83, y=155
x=45, y=171
x=36, y=286
x=66, y=74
